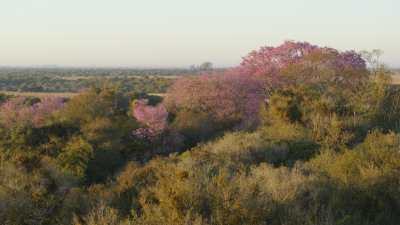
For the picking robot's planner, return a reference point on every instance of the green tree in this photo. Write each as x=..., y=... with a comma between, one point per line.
x=75, y=156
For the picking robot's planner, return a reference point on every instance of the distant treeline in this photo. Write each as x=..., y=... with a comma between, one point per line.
x=89, y=72
x=75, y=80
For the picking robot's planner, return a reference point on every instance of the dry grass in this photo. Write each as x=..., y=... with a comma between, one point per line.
x=396, y=79
x=40, y=94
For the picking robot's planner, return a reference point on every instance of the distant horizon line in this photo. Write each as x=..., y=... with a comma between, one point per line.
x=120, y=67
x=101, y=67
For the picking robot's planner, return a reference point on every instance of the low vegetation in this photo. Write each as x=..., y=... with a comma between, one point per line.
x=296, y=135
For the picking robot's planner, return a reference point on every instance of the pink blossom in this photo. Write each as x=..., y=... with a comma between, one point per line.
x=44, y=109
x=15, y=112
x=269, y=62
x=153, y=118
x=225, y=97
x=237, y=94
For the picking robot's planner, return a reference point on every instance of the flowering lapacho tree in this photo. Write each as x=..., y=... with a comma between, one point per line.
x=304, y=62
x=236, y=94
x=153, y=118
x=15, y=112
x=224, y=97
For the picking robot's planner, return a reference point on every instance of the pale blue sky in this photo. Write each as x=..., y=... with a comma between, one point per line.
x=182, y=32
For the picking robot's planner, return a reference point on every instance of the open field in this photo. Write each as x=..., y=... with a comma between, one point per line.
x=396, y=78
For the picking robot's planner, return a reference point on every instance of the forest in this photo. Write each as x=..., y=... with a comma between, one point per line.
x=297, y=134
x=74, y=80
x=70, y=80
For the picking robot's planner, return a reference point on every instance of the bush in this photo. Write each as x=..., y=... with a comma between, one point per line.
x=369, y=175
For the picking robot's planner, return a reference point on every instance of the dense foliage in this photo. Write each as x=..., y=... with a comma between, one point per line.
x=296, y=135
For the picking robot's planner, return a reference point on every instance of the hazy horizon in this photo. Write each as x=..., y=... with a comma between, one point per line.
x=178, y=33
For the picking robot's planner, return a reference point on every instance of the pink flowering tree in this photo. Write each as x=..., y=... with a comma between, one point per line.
x=224, y=97
x=268, y=62
x=153, y=119
x=327, y=66
x=237, y=94
x=305, y=61
x=15, y=112
x=43, y=110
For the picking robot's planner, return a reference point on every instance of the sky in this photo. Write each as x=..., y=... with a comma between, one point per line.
x=179, y=33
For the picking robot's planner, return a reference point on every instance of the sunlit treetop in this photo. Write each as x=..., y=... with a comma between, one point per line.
x=301, y=59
